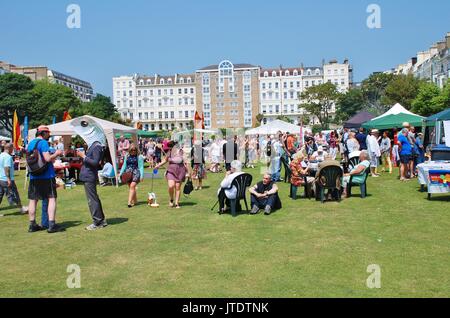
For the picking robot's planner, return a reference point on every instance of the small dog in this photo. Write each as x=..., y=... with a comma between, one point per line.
x=151, y=201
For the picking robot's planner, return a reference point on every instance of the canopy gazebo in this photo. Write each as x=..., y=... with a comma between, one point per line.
x=110, y=129
x=393, y=121
x=435, y=128
x=359, y=119
x=395, y=110
x=275, y=126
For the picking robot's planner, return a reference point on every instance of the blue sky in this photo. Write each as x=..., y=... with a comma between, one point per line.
x=165, y=37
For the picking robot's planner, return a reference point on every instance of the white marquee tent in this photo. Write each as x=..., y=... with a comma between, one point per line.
x=395, y=110
x=275, y=126
x=110, y=129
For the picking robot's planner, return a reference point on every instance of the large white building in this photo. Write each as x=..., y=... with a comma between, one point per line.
x=432, y=65
x=227, y=95
x=280, y=88
x=158, y=102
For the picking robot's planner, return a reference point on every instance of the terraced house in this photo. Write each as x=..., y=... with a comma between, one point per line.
x=227, y=95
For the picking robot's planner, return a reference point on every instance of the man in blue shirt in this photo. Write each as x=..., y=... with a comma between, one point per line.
x=405, y=150
x=361, y=137
x=7, y=184
x=43, y=186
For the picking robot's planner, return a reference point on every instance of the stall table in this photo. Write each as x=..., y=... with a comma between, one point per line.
x=435, y=176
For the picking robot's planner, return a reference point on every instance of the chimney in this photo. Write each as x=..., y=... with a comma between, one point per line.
x=447, y=40
x=441, y=46
x=414, y=61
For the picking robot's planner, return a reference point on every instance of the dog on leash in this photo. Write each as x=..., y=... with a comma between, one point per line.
x=151, y=201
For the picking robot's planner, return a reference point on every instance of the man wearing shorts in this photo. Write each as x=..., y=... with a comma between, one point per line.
x=43, y=186
x=405, y=150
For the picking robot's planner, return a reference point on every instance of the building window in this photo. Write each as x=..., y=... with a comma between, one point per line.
x=266, y=74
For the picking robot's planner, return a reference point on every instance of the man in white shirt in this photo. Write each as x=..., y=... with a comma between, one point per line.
x=373, y=148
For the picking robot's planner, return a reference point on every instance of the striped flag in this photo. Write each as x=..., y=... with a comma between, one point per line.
x=16, y=131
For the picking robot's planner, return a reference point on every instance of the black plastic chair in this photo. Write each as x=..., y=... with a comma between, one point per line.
x=353, y=162
x=330, y=179
x=362, y=186
x=241, y=182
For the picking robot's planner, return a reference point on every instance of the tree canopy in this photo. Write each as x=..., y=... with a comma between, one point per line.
x=318, y=101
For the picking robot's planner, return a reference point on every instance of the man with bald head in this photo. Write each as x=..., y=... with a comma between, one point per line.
x=264, y=195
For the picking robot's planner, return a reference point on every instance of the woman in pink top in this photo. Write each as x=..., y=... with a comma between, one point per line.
x=175, y=174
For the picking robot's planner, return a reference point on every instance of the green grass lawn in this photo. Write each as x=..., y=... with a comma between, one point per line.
x=307, y=249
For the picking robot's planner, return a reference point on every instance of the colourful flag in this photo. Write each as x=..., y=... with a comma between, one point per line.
x=203, y=121
x=66, y=116
x=25, y=131
x=16, y=131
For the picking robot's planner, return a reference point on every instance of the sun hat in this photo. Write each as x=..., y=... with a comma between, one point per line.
x=43, y=128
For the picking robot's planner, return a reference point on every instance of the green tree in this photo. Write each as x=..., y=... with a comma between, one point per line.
x=318, y=101
x=50, y=100
x=15, y=95
x=285, y=118
x=349, y=104
x=373, y=89
x=100, y=107
x=259, y=119
x=425, y=102
x=401, y=89
x=431, y=99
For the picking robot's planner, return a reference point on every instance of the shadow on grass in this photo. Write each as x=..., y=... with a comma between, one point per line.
x=68, y=224
x=439, y=198
x=116, y=221
x=187, y=204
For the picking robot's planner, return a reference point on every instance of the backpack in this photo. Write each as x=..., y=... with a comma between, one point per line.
x=35, y=162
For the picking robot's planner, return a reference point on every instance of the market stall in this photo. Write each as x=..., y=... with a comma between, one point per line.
x=275, y=126
x=110, y=129
x=394, y=121
x=359, y=119
x=435, y=174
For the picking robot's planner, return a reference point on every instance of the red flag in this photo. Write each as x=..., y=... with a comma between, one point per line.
x=203, y=121
x=66, y=116
x=16, y=131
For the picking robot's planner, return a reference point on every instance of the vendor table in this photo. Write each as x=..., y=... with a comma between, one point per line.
x=423, y=169
x=438, y=182
x=435, y=175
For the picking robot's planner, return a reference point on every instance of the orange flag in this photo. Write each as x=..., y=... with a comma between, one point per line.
x=66, y=116
x=16, y=131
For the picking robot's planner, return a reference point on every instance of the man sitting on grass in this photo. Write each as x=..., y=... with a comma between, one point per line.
x=357, y=172
x=264, y=195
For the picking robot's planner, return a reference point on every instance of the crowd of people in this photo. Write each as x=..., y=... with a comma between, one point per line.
x=302, y=158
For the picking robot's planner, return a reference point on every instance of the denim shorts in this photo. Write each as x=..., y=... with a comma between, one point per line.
x=405, y=159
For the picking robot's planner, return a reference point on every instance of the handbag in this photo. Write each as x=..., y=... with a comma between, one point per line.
x=188, y=187
x=126, y=177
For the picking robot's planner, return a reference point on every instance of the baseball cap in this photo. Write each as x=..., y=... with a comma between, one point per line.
x=43, y=128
